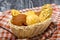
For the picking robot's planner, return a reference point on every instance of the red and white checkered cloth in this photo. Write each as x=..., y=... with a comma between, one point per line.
x=5, y=17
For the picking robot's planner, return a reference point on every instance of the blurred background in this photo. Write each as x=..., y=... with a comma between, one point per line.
x=22, y=4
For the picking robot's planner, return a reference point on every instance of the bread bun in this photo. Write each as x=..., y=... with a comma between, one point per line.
x=19, y=20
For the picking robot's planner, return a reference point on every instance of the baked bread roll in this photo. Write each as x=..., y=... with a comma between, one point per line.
x=15, y=12
x=19, y=20
x=46, y=12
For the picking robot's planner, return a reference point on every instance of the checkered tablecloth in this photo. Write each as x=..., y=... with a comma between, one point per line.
x=55, y=34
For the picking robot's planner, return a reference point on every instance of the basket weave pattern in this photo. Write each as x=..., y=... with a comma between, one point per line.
x=31, y=30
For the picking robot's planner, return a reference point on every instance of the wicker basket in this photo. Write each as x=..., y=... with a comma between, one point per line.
x=31, y=30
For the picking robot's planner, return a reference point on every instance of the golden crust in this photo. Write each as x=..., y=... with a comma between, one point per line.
x=19, y=20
